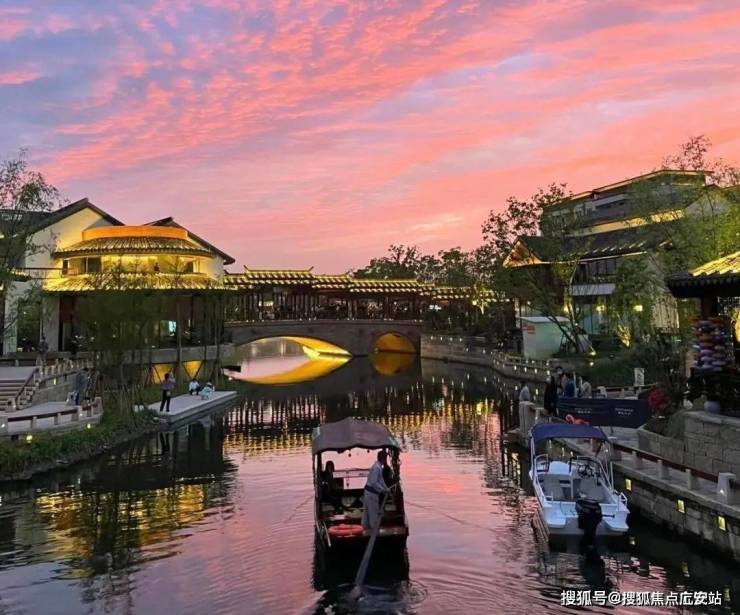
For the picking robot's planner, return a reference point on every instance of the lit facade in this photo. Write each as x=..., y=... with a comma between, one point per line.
x=606, y=227
x=82, y=250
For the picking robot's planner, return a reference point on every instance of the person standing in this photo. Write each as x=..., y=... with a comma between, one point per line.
x=168, y=385
x=81, y=379
x=551, y=396
x=375, y=487
x=43, y=350
x=569, y=388
x=585, y=390
x=525, y=394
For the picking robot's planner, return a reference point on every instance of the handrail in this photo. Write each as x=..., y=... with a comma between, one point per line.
x=666, y=462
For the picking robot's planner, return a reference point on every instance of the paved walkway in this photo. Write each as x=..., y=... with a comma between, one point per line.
x=21, y=420
x=185, y=406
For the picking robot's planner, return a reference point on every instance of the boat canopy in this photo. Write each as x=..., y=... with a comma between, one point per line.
x=351, y=433
x=548, y=431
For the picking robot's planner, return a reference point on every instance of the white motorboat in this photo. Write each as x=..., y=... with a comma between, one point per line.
x=576, y=495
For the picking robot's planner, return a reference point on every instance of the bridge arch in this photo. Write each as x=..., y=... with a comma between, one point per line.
x=394, y=342
x=357, y=337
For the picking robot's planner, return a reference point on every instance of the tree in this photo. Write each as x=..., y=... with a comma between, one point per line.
x=533, y=258
x=698, y=222
x=402, y=262
x=633, y=303
x=25, y=198
x=455, y=268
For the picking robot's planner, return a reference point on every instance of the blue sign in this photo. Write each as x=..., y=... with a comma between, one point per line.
x=604, y=412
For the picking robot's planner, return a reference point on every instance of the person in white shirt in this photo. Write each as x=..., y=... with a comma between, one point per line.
x=585, y=389
x=194, y=387
x=375, y=488
x=524, y=393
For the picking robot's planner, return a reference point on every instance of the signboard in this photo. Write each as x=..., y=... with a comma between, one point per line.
x=639, y=377
x=605, y=412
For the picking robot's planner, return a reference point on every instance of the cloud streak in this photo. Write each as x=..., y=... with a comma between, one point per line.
x=315, y=133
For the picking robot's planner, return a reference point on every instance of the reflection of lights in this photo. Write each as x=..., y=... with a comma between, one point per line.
x=633, y=542
x=685, y=568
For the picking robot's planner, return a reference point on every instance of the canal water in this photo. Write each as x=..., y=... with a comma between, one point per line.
x=217, y=517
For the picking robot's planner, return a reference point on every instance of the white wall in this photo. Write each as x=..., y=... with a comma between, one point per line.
x=214, y=267
x=65, y=232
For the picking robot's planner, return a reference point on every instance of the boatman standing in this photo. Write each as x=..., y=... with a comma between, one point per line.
x=374, y=490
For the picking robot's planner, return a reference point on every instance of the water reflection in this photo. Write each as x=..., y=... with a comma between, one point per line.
x=217, y=517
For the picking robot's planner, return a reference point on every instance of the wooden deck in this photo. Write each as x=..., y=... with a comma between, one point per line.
x=188, y=406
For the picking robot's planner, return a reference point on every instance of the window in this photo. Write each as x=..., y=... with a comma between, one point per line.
x=92, y=265
x=65, y=267
x=189, y=267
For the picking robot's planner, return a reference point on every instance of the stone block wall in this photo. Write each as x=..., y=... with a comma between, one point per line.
x=699, y=521
x=711, y=443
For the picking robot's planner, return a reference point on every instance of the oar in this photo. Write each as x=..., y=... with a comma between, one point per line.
x=362, y=570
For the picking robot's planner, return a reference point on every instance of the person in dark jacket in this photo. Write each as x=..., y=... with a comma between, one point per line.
x=551, y=396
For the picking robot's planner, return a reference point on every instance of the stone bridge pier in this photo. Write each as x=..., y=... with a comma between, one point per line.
x=357, y=337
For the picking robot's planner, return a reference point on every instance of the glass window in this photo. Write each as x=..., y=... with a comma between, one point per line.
x=92, y=265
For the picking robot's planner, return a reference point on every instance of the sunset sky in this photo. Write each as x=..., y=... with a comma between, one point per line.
x=295, y=133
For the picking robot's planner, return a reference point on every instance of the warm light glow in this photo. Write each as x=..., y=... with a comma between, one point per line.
x=721, y=523
x=29, y=438
x=391, y=363
x=637, y=308
x=628, y=484
x=319, y=346
x=680, y=506
x=192, y=368
x=101, y=232
x=393, y=342
x=160, y=370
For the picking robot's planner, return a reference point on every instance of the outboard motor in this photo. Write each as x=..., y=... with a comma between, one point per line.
x=589, y=516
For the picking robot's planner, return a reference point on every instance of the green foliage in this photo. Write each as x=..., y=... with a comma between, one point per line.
x=633, y=302
x=51, y=449
x=25, y=196
x=453, y=267
x=545, y=225
x=711, y=228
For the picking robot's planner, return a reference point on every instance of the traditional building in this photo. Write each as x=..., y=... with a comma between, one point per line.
x=82, y=255
x=606, y=225
x=81, y=250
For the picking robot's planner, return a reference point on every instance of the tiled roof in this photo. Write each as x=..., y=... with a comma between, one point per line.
x=364, y=285
x=720, y=276
x=327, y=281
x=132, y=245
x=727, y=265
x=131, y=281
x=598, y=245
x=276, y=277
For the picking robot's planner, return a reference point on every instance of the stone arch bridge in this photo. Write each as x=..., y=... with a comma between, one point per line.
x=356, y=337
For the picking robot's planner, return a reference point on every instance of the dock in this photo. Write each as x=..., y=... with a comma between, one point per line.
x=189, y=406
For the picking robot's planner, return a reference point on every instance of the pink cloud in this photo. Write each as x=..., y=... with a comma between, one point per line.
x=331, y=129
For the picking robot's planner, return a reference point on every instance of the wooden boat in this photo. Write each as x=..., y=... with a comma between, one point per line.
x=576, y=495
x=339, y=492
